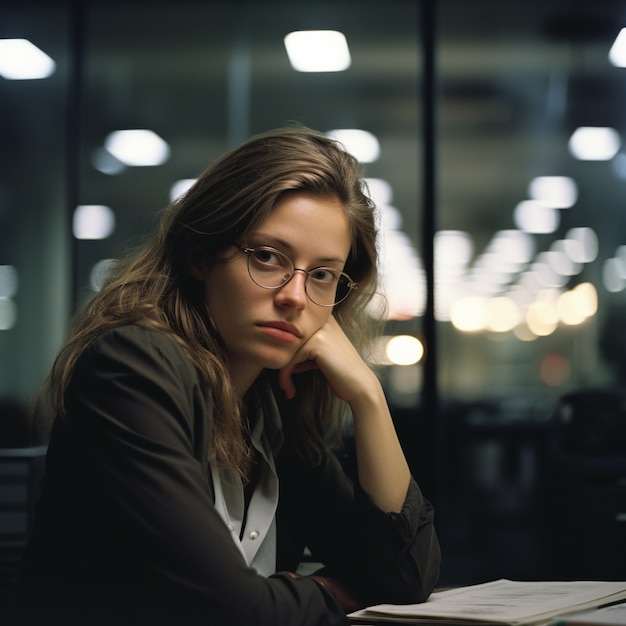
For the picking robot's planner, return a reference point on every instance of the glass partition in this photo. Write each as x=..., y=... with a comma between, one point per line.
x=35, y=247
x=529, y=280
x=529, y=237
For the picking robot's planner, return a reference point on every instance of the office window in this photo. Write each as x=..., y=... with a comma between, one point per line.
x=529, y=233
x=529, y=272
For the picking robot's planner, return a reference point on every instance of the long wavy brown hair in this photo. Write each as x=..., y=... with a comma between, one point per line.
x=153, y=286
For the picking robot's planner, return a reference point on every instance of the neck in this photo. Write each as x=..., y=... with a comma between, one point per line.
x=243, y=378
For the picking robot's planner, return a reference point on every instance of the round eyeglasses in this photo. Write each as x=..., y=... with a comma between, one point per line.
x=271, y=269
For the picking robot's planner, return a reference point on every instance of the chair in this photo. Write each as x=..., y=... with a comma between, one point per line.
x=21, y=471
x=587, y=501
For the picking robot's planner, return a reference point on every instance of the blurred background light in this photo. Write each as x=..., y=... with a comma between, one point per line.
x=561, y=260
x=361, y=144
x=594, y=143
x=469, y=314
x=453, y=249
x=180, y=187
x=560, y=192
x=404, y=350
x=317, y=51
x=22, y=60
x=533, y=216
x=389, y=217
x=512, y=246
x=93, y=221
x=137, y=147
x=612, y=277
x=542, y=318
x=100, y=273
x=401, y=275
x=106, y=163
x=502, y=315
x=378, y=190
x=8, y=314
x=8, y=281
x=555, y=369
x=617, y=52
x=581, y=244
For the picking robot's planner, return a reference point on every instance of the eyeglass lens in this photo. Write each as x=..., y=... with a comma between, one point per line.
x=272, y=269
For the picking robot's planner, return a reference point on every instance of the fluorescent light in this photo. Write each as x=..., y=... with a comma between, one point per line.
x=106, y=163
x=581, y=244
x=512, y=247
x=617, y=53
x=8, y=281
x=93, y=221
x=361, y=144
x=561, y=261
x=8, y=314
x=620, y=255
x=137, y=147
x=453, y=249
x=100, y=273
x=317, y=51
x=532, y=216
x=180, y=187
x=22, y=60
x=594, y=143
x=560, y=192
x=389, y=217
x=612, y=277
x=379, y=190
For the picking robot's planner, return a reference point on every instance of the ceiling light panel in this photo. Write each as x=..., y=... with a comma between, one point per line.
x=318, y=51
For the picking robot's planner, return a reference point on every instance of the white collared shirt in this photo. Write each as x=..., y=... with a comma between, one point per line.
x=257, y=541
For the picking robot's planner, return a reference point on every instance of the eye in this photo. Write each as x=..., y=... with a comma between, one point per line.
x=268, y=258
x=325, y=275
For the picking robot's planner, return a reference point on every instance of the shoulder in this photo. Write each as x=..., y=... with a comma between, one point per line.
x=131, y=372
x=138, y=339
x=138, y=349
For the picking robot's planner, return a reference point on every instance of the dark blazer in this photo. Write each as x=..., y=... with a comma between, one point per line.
x=126, y=531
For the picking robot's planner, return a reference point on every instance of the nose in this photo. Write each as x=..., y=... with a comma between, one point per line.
x=293, y=292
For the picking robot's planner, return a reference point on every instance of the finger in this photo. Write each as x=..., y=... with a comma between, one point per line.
x=285, y=376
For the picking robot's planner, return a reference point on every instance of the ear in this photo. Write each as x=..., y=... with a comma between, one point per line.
x=198, y=268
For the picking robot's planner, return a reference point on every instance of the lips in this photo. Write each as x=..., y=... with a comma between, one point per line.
x=281, y=330
x=286, y=326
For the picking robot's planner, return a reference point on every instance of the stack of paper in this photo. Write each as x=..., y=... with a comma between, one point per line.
x=500, y=602
x=613, y=615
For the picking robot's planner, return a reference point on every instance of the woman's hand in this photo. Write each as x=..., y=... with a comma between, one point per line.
x=330, y=351
x=382, y=468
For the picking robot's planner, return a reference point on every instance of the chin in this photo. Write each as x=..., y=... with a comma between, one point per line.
x=274, y=361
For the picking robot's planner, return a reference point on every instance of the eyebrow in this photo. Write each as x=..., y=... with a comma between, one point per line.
x=277, y=242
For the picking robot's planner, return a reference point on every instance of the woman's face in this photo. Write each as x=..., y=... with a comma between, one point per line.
x=263, y=328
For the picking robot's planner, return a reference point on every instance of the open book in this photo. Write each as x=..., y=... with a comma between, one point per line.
x=501, y=602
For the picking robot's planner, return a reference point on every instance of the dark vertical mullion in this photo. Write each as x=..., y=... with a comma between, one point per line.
x=430, y=408
x=75, y=87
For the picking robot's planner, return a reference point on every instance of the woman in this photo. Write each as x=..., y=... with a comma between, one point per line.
x=190, y=461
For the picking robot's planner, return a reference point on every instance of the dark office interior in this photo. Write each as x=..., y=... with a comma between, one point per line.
x=503, y=231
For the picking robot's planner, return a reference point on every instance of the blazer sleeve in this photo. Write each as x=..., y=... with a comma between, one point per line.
x=134, y=439
x=381, y=557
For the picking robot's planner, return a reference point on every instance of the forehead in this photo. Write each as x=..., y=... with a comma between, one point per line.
x=306, y=222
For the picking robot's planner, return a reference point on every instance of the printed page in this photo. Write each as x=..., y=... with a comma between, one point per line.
x=504, y=602
x=614, y=615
